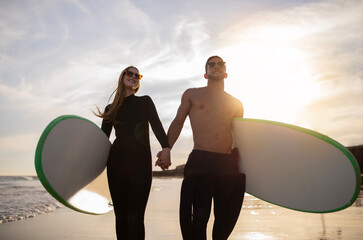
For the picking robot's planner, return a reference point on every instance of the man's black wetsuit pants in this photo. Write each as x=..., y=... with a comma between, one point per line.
x=210, y=175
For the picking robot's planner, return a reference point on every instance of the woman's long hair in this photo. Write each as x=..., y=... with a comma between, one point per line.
x=120, y=92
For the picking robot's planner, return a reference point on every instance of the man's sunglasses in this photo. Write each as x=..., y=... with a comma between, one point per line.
x=220, y=64
x=131, y=74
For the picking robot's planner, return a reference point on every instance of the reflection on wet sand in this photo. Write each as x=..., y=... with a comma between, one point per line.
x=262, y=220
x=259, y=220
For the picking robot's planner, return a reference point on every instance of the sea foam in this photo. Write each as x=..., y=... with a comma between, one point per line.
x=23, y=197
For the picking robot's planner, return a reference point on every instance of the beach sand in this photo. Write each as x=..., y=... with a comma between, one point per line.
x=258, y=220
x=61, y=224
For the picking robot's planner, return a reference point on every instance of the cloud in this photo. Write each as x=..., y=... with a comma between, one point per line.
x=64, y=57
x=17, y=154
x=338, y=114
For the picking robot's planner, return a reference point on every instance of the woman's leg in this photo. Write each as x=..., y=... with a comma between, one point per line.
x=138, y=196
x=118, y=185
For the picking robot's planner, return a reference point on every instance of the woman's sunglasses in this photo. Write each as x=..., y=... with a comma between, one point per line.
x=131, y=74
x=212, y=64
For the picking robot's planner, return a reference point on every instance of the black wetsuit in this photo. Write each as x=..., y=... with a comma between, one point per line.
x=210, y=175
x=129, y=167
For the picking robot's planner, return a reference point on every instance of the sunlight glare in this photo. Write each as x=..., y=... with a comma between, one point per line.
x=90, y=202
x=254, y=236
x=270, y=75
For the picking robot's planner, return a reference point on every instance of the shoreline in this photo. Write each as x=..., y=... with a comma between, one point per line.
x=177, y=172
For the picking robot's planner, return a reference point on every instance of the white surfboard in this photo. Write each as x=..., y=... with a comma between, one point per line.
x=296, y=168
x=70, y=161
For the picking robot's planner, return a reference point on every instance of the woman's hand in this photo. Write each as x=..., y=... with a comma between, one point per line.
x=163, y=160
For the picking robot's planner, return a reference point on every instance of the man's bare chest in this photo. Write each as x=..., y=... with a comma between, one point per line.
x=212, y=107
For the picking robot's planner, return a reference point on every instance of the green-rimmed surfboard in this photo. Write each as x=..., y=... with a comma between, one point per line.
x=70, y=161
x=296, y=168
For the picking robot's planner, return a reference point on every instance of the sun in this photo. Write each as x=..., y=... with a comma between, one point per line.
x=272, y=77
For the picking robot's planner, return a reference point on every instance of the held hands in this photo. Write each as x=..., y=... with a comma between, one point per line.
x=163, y=160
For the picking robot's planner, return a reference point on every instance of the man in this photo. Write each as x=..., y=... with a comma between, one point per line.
x=211, y=170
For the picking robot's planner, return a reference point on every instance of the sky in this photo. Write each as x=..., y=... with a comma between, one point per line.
x=297, y=62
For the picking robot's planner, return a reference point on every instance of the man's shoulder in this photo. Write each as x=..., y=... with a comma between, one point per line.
x=236, y=104
x=194, y=90
x=232, y=97
x=192, y=94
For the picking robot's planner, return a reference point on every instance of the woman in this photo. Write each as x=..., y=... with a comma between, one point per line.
x=129, y=169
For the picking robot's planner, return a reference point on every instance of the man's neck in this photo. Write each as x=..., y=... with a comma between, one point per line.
x=214, y=85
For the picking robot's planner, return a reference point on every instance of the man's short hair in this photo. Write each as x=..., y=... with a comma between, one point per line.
x=206, y=64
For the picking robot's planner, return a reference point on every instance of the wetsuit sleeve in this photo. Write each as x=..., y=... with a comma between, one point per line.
x=106, y=125
x=155, y=123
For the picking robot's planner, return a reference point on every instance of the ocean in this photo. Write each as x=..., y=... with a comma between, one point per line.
x=24, y=197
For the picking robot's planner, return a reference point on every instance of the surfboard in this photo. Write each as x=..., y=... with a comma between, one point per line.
x=295, y=167
x=70, y=161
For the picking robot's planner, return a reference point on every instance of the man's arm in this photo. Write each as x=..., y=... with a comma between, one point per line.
x=177, y=125
x=238, y=114
x=239, y=109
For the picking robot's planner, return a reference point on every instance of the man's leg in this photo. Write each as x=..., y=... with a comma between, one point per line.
x=195, y=206
x=228, y=201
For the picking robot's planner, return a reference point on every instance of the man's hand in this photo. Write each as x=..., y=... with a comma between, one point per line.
x=163, y=160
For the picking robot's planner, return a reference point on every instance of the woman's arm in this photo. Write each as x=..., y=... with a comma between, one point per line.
x=156, y=124
x=106, y=125
x=163, y=160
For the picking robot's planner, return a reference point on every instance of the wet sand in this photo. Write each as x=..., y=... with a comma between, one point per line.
x=258, y=220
